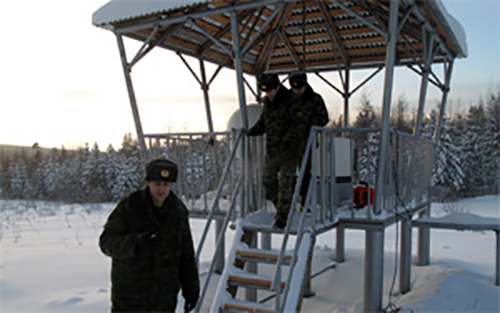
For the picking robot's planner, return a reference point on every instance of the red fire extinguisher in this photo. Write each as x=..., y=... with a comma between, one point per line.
x=360, y=197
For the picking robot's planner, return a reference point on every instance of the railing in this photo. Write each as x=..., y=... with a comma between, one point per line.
x=321, y=201
x=202, y=158
x=220, y=240
x=406, y=181
x=229, y=165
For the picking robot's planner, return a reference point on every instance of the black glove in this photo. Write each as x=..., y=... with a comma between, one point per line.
x=145, y=241
x=189, y=305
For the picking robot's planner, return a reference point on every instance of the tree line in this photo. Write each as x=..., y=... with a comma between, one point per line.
x=468, y=156
x=467, y=162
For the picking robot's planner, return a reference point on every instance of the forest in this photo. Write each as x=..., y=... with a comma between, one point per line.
x=467, y=162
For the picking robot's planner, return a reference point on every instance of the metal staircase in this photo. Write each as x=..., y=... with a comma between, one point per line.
x=291, y=266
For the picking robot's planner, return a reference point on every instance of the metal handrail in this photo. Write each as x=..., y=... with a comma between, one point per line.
x=276, y=284
x=327, y=205
x=220, y=242
x=215, y=203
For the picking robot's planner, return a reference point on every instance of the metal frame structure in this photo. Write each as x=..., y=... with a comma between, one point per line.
x=314, y=36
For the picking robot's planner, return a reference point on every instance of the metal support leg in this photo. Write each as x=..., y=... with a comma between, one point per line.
x=219, y=267
x=251, y=267
x=132, y=98
x=424, y=238
x=307, y=278
x=340, y=244
x=497, y=272
x=374, y=269
x=405, y=260
x=265, y=241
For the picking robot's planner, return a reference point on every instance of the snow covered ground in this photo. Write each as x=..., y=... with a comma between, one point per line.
x=50, y=262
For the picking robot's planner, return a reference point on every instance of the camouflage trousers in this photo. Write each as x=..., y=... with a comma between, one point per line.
x=279, y=177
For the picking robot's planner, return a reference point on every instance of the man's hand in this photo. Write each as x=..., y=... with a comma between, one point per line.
x=189, y=305
x=145, y=241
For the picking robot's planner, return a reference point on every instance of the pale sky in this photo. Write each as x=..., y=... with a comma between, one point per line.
x=62, y=82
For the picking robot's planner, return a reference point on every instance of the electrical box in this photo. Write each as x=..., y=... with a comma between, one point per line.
x=344, y=163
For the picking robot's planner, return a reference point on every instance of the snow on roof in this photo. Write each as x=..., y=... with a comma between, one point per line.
x=455, y=27
x=118, y=10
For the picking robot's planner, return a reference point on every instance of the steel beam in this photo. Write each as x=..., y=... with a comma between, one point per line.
x=238, y=65
x=442, y=109
x=132, y=98
x=206, y=97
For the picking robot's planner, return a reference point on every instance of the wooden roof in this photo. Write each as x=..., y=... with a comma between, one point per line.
x=284, y=36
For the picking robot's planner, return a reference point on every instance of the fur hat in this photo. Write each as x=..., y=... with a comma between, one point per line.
x=268, y=81
x=161, y=170
x=298, y=80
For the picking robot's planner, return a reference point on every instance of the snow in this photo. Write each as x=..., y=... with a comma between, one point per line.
x=117, y=10
x=456, y=28
x=50, y=262
x=465, y=220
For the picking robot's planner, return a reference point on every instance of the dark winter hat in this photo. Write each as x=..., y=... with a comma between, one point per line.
x=268, y=81
x=298, y=80
x=161, y=170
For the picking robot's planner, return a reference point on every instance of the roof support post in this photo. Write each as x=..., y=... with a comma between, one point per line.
x=238, y=65
x=346, y=96
x=428, y=57
x=386, y=109
x=423, y=88
x=206, y=98
x=374, y=255
x=131, y=94
x=442, y=110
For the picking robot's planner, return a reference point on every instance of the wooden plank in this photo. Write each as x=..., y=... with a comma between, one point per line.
x=262, y=255
x=241, y=307
x=261, y=282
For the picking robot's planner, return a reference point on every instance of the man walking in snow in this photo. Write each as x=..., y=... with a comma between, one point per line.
x=149, y=240
x=284, y=121
x=317, y=115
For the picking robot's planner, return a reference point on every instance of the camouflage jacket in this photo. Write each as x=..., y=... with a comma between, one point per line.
x=284, y=121
x=150, y=280
x=317, y=114
x=315, y=107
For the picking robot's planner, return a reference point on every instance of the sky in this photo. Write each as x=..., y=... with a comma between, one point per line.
x=62, y=82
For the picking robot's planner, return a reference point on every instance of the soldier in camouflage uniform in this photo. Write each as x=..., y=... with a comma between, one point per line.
x=149, y=240
x=317, y=116
x=284, y=122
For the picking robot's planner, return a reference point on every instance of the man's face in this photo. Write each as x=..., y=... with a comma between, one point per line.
x=271, y=93
x=159, y=190
x=299, y=91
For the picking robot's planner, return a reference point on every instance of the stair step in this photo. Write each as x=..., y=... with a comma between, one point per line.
x=264, y=256
x=269, y=229
x=252, y=281
x=245, y=306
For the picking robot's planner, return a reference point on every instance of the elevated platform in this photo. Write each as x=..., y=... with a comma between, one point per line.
x=263, y=222
x=466, y=221
x=459, y=221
